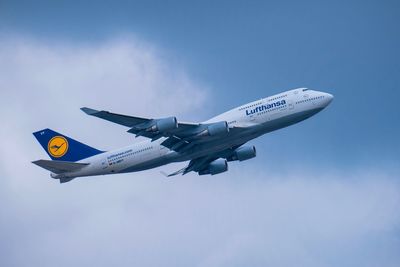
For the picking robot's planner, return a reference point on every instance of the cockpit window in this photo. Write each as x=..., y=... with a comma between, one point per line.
x=305, y=89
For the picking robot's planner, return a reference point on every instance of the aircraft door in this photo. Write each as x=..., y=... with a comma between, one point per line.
x=291, y=106
x=104, y=164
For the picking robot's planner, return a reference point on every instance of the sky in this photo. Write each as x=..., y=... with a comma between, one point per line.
x=324, y=192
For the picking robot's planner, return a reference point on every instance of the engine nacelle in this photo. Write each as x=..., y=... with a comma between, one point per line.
x=164, y=125
x=216, y=129
x=244, y=153
x=215, y=167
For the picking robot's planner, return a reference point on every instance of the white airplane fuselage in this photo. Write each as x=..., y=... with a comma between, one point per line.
x=257, y=118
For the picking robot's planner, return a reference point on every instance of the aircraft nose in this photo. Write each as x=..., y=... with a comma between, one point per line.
x=328, y=98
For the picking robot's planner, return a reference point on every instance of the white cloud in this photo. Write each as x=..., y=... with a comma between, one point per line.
x=44, y=85
x=142, y=219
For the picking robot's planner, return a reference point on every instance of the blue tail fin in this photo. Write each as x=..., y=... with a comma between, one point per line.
x=61, y=147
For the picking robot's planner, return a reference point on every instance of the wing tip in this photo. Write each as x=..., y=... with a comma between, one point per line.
x=181, y=171
x=166, y=175
x=89, y=111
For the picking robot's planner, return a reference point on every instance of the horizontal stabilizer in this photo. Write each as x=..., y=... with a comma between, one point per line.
x=65, y=180
x=59, y=167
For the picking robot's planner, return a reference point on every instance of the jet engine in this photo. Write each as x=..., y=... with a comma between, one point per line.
x=215, y=129
x=164, y=125
x=215, y=167
x=243, y=153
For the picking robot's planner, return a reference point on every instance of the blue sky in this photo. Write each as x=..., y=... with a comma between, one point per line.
x=195, y=60
x=244, y=51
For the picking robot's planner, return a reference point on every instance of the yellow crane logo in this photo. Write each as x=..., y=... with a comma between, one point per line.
x=57, y=146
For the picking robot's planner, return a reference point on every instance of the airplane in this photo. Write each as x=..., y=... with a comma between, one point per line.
x=208, y=145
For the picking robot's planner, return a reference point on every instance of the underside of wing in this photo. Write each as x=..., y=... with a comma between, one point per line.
x=210, y=164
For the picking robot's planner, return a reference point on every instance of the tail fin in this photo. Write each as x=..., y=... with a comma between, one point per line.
x=61, y=147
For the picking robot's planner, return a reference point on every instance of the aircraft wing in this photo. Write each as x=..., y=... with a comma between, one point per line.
x=181, y=136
